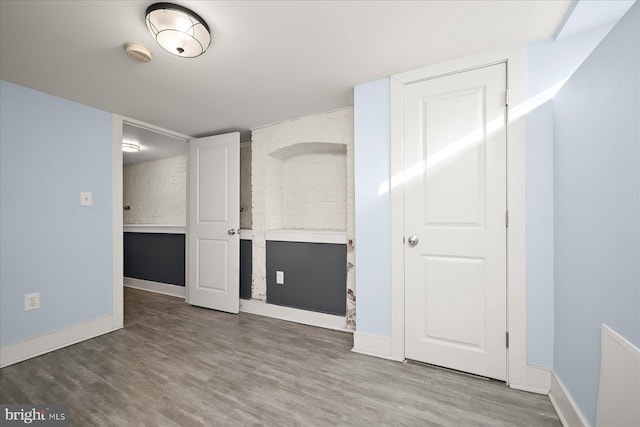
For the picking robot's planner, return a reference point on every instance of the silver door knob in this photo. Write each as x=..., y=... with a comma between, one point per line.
x=412, y=240
x=231, y=232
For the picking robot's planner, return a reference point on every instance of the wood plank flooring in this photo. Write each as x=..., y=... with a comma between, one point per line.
x=177, y=365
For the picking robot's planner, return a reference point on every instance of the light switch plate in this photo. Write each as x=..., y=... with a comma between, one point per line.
x=86, y=198
x=279, y=277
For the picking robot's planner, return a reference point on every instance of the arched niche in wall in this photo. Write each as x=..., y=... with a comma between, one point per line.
x=313, y=189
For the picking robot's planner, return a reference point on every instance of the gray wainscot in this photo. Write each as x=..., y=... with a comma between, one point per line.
x=154, y=258
x=246, y=260
x=307, y=269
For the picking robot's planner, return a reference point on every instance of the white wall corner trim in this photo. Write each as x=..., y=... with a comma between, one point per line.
x=309, y=236
x=153, y=228
x=619, y=387
x=567, y=409
x=538, y=380
x=397, y=221
x=296, y=315
x=157, y=287
x=14, y=353
x=246, y=234
x=117, y=263
x=374, y=345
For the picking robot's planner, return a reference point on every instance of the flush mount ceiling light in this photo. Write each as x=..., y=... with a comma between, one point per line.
x=130, y=146
x=178, y=30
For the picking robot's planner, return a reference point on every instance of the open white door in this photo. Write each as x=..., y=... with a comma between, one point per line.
x=213, y=222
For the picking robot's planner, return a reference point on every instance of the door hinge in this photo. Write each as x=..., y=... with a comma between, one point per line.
x=507, y=336
x=506, y=97
x=506, y=219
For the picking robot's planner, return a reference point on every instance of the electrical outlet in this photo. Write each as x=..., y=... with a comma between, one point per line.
x=279, y=277
x=31, y=301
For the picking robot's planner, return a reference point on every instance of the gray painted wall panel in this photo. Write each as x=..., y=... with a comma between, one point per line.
x=245, y=268
x=157, y=257
x=315, y=276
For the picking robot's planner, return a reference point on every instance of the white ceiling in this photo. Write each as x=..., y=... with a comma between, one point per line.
x=269, y=60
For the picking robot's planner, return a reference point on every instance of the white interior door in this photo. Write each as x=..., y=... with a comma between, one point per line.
x=213, y=221
x=455, y=231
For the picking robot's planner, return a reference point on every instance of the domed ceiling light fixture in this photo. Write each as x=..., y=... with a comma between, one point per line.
x=178, y=30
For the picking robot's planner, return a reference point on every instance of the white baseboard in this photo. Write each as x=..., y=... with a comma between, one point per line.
x=306, y=317
x=373, y=345
x=538, y=380
x=14, y=353
x=568, y=411
x=157, y=287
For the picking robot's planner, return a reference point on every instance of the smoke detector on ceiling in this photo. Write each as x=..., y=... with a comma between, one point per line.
x=138, y=52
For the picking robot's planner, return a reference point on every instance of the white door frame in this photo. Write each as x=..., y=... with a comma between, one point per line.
x=450, y=236
x=520, y=375
x=117, y=122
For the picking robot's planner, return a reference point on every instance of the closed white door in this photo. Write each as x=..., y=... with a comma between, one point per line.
x=213, y=222
x=455, y=230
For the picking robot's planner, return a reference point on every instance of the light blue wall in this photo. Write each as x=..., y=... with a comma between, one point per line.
x=372, y=115
x=549, y=64
x=51, y=150
x=597, y=208
x=539, y=198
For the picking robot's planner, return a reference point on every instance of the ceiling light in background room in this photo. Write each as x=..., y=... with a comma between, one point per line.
x=178, y=30
x=138, y=52
x=130, y=146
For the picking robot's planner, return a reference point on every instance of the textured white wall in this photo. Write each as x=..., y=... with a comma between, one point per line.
x=299, y=182
x=245, y=186
x=316, y=192
x=156, y=192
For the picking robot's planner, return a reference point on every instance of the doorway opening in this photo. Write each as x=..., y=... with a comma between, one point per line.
x=154, y=191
